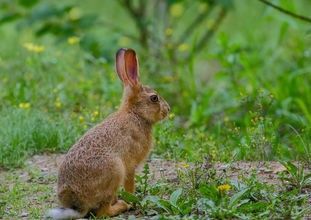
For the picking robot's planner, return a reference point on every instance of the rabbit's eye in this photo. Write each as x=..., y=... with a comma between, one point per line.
x=154, y=98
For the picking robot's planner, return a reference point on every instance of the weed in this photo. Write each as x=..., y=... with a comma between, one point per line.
x=27, y=132
x=296, y=176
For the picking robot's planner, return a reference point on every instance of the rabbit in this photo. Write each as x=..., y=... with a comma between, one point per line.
x=106, y=156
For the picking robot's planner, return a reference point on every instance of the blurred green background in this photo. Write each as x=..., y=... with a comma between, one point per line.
x=236, y=73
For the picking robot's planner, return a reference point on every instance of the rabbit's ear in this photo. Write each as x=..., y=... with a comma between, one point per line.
x=131, y=67
x=120, y=65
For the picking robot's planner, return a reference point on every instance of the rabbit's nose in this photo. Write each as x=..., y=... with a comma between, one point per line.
x=168, y=108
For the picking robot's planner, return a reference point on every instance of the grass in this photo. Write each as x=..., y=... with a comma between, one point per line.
x=199, y=190
x=209, y=194
x=226, y=119
x=247, y=105
x=246, y=97
x=30, y=197
x=29, y=132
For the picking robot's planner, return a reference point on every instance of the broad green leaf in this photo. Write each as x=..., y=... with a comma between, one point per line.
x=166, y=205
x=153, y=199
x=236, y=197
x=291, y=168
x=175, y=196
x=206, y=202
x=129, y=197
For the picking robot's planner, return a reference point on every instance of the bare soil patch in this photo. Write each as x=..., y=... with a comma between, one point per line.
x=266, y=171
x=42, y=170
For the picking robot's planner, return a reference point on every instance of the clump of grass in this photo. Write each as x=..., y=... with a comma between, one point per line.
x=31, y=198
x=25, y=132
x=203, y=193
x=231, y=102
x=199, y=191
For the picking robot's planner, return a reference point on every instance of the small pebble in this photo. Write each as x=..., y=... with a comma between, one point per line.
x=44, y=169
x=24, y=214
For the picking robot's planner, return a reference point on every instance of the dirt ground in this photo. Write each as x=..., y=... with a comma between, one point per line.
x=266, y=170
x=47, y=167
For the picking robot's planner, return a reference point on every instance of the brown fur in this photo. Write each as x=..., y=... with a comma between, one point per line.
x=106, y=157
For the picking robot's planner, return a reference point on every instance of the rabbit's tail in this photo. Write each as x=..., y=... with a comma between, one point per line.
x=64, y=213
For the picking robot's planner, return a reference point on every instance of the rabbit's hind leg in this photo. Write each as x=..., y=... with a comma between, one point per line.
x=129, y=182
x=112, y=210
x=110, y=205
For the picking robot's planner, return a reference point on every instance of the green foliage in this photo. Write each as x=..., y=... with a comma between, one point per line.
x=26, y=132
x=236, y=75
x=241, y=99
x=198, y=192
x=247, y=198
x=16, y=194
x=297, y=177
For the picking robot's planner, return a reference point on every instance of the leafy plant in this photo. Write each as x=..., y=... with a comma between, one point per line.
x=297, y=176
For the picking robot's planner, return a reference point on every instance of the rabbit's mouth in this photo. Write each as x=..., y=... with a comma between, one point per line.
x=164, y=111
x=164, y=114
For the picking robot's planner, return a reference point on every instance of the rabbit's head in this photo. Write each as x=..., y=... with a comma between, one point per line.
x=137, y=98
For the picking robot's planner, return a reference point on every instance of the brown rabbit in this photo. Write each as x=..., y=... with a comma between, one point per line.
x=105, y=158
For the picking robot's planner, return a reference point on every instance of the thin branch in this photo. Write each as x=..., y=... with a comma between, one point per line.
x=301, y=17
x=197, y=21
x=143, y=7
x=222, y=14
x=138, y=17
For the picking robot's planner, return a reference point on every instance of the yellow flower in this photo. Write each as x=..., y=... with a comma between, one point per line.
x=81, y=119
x=168, y=79
x=176, y=10
x=185, y=165
x=169, y=46
x=183, y=47
x=224, y=187
x=213, y=153
x=73, y=40
x=24, y=105
x=171, y=116
x=74, y=14
x=58, y=104
x=124, y=41
x=169, y=32
x=34, y=48
x=210, y=23
x=95, y=113
x=203, y=7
